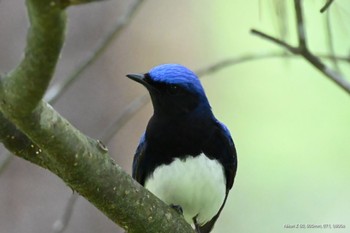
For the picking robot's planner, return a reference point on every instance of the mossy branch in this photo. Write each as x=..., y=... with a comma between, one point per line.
x=24, y=87
x=33, y=130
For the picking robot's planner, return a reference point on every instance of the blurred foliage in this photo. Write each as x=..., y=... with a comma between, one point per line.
x=290, y=124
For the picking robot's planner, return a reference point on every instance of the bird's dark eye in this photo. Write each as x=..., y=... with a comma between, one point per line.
x=174, y=89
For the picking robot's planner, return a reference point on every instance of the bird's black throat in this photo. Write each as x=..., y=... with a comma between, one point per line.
x=174, y=137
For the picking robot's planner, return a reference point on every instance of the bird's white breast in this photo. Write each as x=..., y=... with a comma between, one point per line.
x=197, y=184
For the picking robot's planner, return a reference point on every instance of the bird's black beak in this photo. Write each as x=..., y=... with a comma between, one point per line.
x=140, y=78
x=137, y=77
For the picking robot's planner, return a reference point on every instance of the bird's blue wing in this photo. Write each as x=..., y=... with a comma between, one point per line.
x=137, y=173
x=231, y=159
x=221, y=147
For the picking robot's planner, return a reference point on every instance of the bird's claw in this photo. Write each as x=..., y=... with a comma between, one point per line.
x=178, y=208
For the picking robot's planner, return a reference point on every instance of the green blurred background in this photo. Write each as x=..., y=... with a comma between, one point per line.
x=289, y=122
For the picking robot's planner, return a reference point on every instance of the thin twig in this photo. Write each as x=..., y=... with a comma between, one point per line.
x=334, y=57
x=253, y=57
x=58, y=90
x=236, y=60
x=61, y=224
x=334, y=76
x=330, y=43
x=5, y=162
x=326, y=6
x=300, y=25
x=303, y=51
x=275, y=40
x=124, y=117
x=77, y=2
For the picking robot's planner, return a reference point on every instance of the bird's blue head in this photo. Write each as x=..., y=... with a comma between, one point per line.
x=174, y=89
x=176, y=74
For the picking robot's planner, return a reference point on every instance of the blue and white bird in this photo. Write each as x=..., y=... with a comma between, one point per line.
x=186, y=157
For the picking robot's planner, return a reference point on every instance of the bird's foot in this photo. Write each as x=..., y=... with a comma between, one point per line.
x=178, y=208
x=196, y=224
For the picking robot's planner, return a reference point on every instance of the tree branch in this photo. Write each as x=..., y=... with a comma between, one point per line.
x=61, y=224
x=303, y=51
x=86, y=167
x=28, y=82
x=56, y=91
x=81, y=162
x=19, y=144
